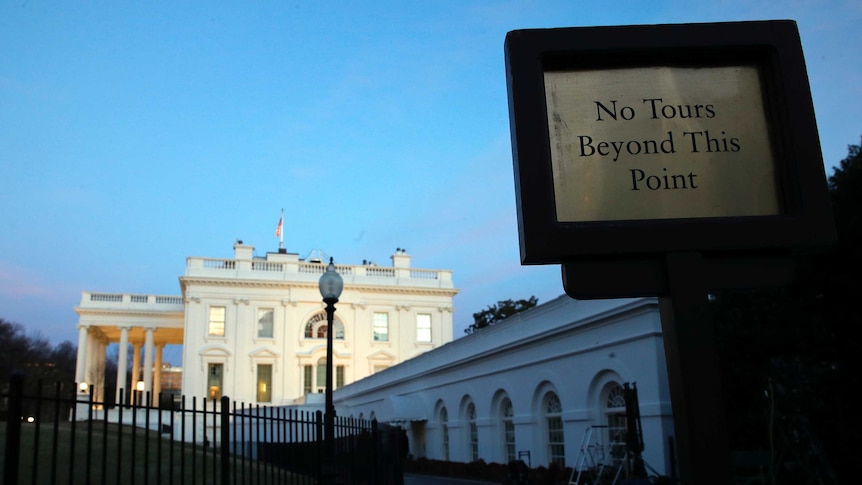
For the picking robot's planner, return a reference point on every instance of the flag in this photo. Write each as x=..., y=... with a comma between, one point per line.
x=279, y=226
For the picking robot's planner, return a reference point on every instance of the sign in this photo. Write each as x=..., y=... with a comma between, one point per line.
x=633, y=141
x=660, y=142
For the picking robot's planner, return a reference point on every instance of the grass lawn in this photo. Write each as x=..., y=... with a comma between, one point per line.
x=126, y=456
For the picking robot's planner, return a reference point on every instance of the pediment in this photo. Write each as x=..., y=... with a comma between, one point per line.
x=214, y=350
x=381, y=355
x=264, y=353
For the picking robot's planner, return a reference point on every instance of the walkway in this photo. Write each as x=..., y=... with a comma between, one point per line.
x=410, y=479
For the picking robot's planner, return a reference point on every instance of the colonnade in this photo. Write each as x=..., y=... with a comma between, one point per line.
x=92, y=354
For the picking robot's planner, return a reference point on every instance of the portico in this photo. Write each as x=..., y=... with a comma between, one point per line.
x=142, y=321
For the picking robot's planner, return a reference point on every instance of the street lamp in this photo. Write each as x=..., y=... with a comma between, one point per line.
x=330, y=286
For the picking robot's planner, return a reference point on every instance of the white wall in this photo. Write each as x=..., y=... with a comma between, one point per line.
x=574, y=348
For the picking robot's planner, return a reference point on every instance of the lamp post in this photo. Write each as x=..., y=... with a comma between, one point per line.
x=330, y=286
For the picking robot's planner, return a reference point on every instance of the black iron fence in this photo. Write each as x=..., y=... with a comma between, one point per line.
x=57, y=436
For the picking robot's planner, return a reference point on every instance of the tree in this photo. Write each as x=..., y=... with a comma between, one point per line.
x=789, y=355
x=502, y=310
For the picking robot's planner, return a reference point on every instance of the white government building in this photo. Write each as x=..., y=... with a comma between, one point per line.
x=530, y=387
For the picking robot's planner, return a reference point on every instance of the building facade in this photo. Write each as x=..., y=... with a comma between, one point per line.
x=532, y=387
x=254, y=328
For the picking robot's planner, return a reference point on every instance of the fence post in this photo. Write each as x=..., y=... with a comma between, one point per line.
x=13, y=427
x=318, y=435
x=377, y=463
x=225, y=440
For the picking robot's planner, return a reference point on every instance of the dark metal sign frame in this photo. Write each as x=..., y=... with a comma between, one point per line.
x=773, y=46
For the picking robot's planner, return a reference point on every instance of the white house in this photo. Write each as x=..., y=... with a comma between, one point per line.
x=533, y=383
x=254, y=328
x=532, y=387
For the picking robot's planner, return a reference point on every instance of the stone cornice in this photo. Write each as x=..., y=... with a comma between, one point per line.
x=123, y=311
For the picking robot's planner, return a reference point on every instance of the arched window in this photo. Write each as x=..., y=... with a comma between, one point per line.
x=474, y=432
x=554, y=421
x=615, y=413
x=316, y=327
x=444, y=430
x=508, y=425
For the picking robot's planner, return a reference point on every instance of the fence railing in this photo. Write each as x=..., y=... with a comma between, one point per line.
x=57, y=437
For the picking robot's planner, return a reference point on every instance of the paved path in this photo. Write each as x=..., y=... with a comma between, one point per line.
x=410, y=479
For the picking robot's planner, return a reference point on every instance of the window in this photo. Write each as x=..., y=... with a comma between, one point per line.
x=554, y=421
x=508, y=414
x=615, y=410
x=381, y=327
x=264, y=383
x=314, y=377
x=316, y=327
x=444, y=429
x=321, y=374
x=423, y=327
x=265, y=322
x=307, y=382
x=214, y=381
x=378, y=368
x=216, y=321
x=474, y=432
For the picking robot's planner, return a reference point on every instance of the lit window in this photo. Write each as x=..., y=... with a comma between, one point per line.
x=554, y=421
x=423, y=327
x=214, y=381
x=265, y=322
x=264, y=383
x=381, y=327
x=216, y=321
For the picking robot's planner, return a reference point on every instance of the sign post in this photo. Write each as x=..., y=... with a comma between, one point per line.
x=669, y=161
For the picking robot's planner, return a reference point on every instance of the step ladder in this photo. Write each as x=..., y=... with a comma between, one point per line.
x=591, y=456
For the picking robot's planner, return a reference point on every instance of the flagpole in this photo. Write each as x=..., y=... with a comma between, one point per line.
x=281, y=232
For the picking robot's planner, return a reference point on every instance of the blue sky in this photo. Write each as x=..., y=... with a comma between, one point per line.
x=135, y=134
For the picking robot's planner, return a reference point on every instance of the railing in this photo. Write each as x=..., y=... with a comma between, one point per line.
x=127, y=298
x=169, y=300
x=319, y=268
x=380, y=272
x=424, y=274
x=266, y=266
x=219, y=263
x=206, y=442
x=278, y=269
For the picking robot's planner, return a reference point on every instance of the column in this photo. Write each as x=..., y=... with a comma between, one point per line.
x=136, y=373
x=157, y=373
x=81, y=365
x=148, y=362
x=123, y=364
x=89, y=358
x=99, y=369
